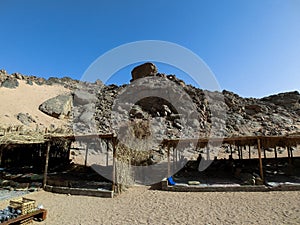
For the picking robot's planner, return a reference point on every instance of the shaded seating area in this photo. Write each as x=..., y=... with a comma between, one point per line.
x=247, y=163
x=251, y=172
x=80, y=179
x=47, y=163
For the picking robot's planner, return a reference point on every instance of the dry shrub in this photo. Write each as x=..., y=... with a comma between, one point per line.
x=135, y=151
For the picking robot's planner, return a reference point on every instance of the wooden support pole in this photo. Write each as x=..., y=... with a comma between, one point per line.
x=176, y=158
x=289, y=155
x=107, y=151
x=1, y=156
x=86, y=153
x=169, y=169
x=207, y=153
x=239, y=151
x=69, y=149
x=265, y=156
x=114, y=164
x=46, y=164
x=249, y=148
x=276, y=160
x=260, y=160
x=292, y=154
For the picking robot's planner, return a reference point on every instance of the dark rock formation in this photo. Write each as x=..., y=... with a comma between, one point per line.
x=59, y=107
x=25, y=118
x=10, y=82
x=144, y=70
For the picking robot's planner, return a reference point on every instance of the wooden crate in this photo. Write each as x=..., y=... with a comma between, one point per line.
x=26, y=205
x=39, y=214
x=28, y=221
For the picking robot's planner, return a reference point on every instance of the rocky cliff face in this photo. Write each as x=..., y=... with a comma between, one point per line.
x=219, y=113
x=244, y=116
x=273, y=115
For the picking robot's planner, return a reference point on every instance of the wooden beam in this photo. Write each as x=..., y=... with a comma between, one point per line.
x=260, y=160
x=46, y=164
x=81, y=137
x=247, y=140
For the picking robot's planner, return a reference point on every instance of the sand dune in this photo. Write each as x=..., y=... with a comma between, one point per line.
x=27, y=100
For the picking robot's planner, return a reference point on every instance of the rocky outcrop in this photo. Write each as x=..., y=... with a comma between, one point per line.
x=289, y=100
x=92, y=106
x=25, y=118
x=59, y=107
x=250, y=116
x=10, y=82
x=144, y=70
x=273, y=115
x=84, y=107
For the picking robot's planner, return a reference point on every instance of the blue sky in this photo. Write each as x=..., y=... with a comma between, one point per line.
x=252, y=46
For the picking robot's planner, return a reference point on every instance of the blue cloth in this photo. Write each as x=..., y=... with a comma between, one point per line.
x=171, y=181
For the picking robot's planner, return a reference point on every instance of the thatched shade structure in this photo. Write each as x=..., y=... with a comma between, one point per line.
x=266, y=141
x=16, y=139
x=259, y=141
x=84, y=138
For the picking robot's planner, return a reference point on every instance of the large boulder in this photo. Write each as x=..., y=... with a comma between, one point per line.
x=144, y=70
x=10, y=83
x=59, y=107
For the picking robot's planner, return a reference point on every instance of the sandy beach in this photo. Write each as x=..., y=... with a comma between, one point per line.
x=139, y=205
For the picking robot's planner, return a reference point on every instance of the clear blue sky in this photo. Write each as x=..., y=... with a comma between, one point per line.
x=252, y=46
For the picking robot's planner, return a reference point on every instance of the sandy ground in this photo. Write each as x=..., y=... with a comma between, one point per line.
x=26, y=99
x=139, y=205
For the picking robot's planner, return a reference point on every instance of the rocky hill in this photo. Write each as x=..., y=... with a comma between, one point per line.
x=81, y=107
x=273, y=115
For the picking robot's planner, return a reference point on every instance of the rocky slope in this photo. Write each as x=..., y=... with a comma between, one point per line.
x=97, y=108
x=273, y=115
